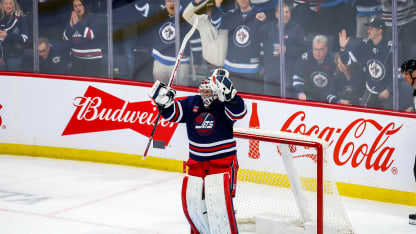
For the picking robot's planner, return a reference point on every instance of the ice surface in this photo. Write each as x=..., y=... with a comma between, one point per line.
x=42, y=196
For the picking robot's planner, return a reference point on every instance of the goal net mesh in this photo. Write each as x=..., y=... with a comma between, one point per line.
x=278, y=178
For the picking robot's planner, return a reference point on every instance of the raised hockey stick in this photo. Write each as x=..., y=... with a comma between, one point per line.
x=172, y=77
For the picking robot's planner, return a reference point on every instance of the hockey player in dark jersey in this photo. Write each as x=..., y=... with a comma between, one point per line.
x=374, y=55
x=408, y=69
x=209, y=119
x=314, y=79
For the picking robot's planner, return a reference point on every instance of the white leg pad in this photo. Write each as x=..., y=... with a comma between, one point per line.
x=193, y=205
x=219, y=204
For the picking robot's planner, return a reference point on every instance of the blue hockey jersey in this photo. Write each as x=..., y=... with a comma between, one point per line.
x=164, y=34
x=376, y=61
x=243, y=52
x=210, y=130
x=85, y=38
x=314, y=79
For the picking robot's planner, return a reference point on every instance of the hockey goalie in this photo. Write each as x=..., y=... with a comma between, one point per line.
x=210, y=185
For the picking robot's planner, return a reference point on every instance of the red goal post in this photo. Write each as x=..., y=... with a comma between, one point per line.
x=275, y=164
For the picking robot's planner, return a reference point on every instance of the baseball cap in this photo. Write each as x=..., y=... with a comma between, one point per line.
x=376, y=23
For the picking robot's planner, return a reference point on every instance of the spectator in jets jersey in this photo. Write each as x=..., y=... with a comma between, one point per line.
x=243, y=58
x=375, y=57
x=313, y=80
x=13, y=35
x=83, y=34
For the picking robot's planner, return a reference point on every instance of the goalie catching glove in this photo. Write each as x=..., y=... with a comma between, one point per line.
x=162, y=95
x=226, y=90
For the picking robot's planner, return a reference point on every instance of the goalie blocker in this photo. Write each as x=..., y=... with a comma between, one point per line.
x=214, y=213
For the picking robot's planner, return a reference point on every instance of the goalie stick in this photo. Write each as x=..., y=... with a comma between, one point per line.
x=172, y=77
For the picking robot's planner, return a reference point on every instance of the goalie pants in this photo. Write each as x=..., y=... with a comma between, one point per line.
x=203, y=168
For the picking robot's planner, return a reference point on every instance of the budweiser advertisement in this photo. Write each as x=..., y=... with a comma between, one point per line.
x=367, y=148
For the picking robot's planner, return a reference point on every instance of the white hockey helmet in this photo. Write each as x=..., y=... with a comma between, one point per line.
x=208, y=84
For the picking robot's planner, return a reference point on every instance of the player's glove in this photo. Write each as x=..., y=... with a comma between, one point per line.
x=162, y=95
x=226, y=90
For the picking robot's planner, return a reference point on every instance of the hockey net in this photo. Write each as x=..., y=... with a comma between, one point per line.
x=288, y=177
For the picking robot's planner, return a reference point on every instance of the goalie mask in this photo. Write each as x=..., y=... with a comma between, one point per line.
x=208, y=91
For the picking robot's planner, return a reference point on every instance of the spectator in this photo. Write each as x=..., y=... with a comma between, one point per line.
x=13, y=36
x=314, y=80
x=164, y=35
x=366, y=9
x=294, y=47
x=349, y=83
x=243, y=58
x=374, y=55
x=52, y=58
x=213, y=40
x=84, y=34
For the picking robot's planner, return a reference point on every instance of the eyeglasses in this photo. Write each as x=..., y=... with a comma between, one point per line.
x=42, y=51
x=319, y=49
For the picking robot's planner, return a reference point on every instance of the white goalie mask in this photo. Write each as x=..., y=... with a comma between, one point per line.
x=208, y=91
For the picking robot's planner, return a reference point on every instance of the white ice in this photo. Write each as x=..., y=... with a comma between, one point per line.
x=42, y=196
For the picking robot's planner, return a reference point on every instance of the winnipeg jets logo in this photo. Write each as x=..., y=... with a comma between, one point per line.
x=167, y=32
x=376, y=69
x=242, y=36
x=320, y=79
x=56, y=59
x=204, y=124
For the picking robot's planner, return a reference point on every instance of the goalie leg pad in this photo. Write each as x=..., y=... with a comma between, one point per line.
x=193, y=205
x=219, y=204
x=226, y=165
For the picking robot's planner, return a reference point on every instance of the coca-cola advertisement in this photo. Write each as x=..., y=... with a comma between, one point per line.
x=366, y=147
